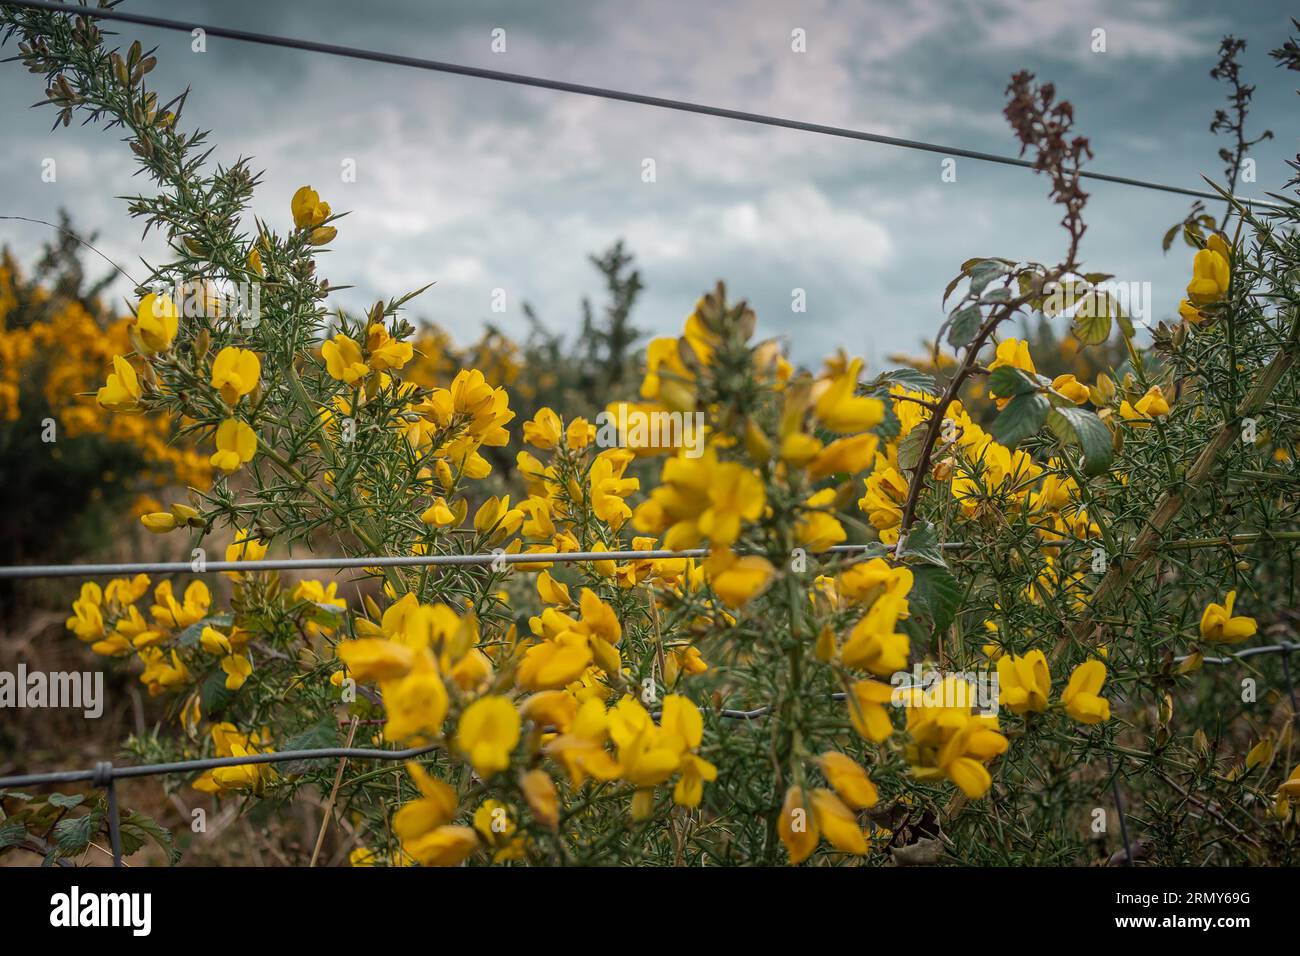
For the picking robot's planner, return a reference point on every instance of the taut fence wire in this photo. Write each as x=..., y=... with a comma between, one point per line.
x=601, y=92
x=501, y=558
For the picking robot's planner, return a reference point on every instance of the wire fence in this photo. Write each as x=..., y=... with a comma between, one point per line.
x=104, y=774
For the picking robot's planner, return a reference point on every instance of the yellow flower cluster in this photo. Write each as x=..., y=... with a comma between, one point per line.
x=808, y=816
x=228, y=741
x=1211, y=276
x=108, y=620
x=84, y=346
x=646, y=754
x=948, y=739
x=309, y=214
x=464, y=418
x=1025, y=683
x=426, y=659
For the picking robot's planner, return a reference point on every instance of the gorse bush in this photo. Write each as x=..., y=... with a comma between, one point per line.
x=1031, y=636
x=78, y=464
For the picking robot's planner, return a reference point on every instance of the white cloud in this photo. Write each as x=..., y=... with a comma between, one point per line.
x=1135, y=29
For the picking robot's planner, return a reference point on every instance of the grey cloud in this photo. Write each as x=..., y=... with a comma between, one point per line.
x=478, y=185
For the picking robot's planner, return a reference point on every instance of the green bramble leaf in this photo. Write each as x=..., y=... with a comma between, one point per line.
x=320, y=735
x=937, y=594
x=1060, y=296
x=912, y=379
x=213, y=694
x=1007, y=381
x=12, y=834
x=73, y=836
x=1093, y=318
x=923, y=544
x=137, y=829
x=963, y=325
x=985, y=272
x=1023, y=416
x=911, y=447
x=1081, y=427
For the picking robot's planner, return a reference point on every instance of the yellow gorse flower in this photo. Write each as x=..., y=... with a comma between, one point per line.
x=737, y=580
x=886, y=490
x=874, y=644
x=228, y=741
x=1071, y=388
x=844, y=455
x=122, y=391
x=346, y=361
x=809, y=814
x=948, y=740
x=441, y=515
x=495, y=824
x=487, y=733
x=569, y=646
x=179, y=516
x=1151, y=405
x=839, y=408
x=539, y=791
x=423, y=825
x=1081, y=697
x=609, y=488
x=544, y=430
x=87, y=620
x=796, y=826
x=156, y=323
x=868, y=710
x=701, y=499
x=235, y=373
x=343, y=359
x=415, y=702
x=309, y=212
x=1024, y=683
x=849, y=780
x=1190, y=313
x=1288, y=791
x=178, y=615
x=1211, y=272
x=372, y=659
x=1218, y=623
x=648, y=755
x=247, y=546
x=668, y=381
x=1015, y=353
x=384, y=352
x=236, y=445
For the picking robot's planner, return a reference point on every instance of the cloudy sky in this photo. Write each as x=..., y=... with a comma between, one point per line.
x=480, y=186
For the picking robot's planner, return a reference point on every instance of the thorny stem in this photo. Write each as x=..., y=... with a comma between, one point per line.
x=935, y=424
x=1167, y=508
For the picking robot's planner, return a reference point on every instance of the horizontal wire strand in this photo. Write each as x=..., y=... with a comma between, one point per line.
x=600, y=92
x=103, y=772
x=502, y=557
x=398, y=561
